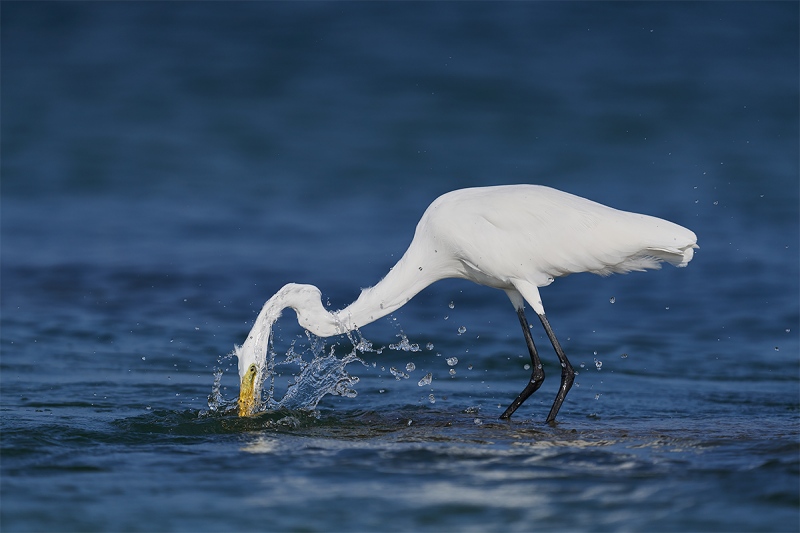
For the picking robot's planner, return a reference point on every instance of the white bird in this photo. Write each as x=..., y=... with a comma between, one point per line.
x=516, y=238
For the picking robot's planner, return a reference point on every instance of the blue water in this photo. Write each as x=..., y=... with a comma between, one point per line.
x=166, y=167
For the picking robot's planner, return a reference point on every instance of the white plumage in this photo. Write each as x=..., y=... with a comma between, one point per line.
x=516, y=238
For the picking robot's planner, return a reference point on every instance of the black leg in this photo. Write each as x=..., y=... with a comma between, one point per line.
x=537, y=372
x=567, y=372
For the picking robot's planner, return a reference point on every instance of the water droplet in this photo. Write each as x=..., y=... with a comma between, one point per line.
x=596, y=396
x=598, y=364
x=429, y=346
x=469, y=367
x=431, y=398
x=410, y=367
x=583, y=365
x=451, y=305
x=777, y=349
x=452, y=361
x=404, y=345
x=624, y=356
x=398, y=374
x=478, y=421
x=426, y=380
x=461, y=330
x=452, y=371
x=143, y=358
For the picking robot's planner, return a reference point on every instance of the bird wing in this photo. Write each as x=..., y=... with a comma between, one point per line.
x=538, y=233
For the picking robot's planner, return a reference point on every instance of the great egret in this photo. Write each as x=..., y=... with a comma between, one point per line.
x=516, y=238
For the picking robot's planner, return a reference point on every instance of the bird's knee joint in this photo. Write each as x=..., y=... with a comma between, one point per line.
x=567, y=377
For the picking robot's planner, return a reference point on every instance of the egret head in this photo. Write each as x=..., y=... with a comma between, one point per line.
x=253, y=353
x=250, y=378
x=249, y=391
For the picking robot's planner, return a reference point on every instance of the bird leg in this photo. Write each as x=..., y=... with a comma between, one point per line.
x=567, y=372
x=537, y=372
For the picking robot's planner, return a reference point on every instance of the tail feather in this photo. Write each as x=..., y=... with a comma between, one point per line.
x=651, y=259
x=679, y=257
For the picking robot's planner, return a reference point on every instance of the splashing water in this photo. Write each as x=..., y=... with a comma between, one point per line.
x=324, y=374
x=319, y=377
x=398, y=374
x=215, y=400
x=404, y=344
x=425, y=380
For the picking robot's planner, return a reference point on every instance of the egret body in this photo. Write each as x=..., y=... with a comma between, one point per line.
x=515, y=238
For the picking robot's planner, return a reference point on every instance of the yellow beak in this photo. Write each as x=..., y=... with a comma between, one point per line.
x=247, y=392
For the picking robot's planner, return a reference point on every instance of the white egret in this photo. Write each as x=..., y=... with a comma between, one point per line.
x=516, y=238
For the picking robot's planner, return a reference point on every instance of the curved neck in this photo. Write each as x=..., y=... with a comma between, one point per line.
x=410, y=275
x=306, y=300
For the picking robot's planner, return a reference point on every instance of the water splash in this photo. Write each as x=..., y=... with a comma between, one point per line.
x=323, y=375
x=404, y=344
x=315, y=369
x=425, y=380
x=398, y=374
x=216, y=401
